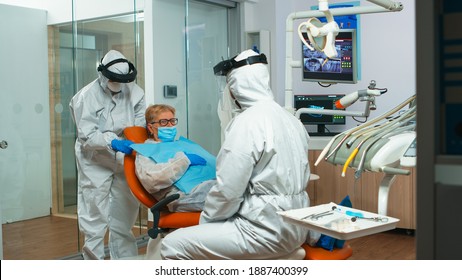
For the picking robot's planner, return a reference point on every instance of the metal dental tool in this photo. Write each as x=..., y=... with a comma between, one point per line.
x=317, y=216
x=375, y=219
x=358, y=215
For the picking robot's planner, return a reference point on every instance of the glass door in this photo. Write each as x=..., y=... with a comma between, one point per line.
x=190, y=37
x=207, y=44
x=24, y=122
x=24, y=116
x=77, y=49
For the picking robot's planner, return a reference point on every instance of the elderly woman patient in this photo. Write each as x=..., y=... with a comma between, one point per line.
x=160, y=177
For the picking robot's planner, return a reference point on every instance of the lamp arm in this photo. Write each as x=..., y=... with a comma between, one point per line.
x=388, y=4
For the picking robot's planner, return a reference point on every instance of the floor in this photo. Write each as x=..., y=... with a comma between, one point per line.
x=54, y=237
x=46, y=238
x=398, y=244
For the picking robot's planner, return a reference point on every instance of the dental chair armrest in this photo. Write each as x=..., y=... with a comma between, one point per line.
x=163, y=202
x=159, y=206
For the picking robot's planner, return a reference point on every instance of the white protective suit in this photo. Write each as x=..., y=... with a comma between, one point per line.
x=262, y=168
x=104, y=198
x=159, y=178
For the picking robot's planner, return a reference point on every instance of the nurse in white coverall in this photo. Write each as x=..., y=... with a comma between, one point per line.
x=101, y=111
x=262, y=168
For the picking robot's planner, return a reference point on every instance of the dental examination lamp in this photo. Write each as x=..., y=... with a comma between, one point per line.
x=321, y=36
x=366, y=95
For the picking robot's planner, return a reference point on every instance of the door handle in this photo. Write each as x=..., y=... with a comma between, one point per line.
x=3, y=144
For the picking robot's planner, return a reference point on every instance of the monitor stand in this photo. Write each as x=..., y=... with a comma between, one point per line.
x=322, y=131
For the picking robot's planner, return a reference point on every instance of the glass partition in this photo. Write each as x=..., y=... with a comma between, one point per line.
x=207, y=44
x=75, y=58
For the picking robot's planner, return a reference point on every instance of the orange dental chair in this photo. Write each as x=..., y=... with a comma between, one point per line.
x=164, y=220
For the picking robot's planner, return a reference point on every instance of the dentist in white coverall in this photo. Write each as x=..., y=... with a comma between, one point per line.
x=262, y=168
x=101, y=111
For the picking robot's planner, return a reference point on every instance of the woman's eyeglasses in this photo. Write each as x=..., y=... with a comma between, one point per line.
x=164, y=122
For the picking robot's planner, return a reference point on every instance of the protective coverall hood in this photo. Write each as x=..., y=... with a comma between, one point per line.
x=250, y=83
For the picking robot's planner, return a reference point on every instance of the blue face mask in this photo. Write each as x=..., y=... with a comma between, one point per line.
x=166, y=134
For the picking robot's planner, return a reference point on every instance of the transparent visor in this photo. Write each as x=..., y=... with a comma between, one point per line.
x=221, y=84
x=114, y=86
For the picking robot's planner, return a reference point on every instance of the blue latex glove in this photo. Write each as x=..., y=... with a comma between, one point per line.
x=328, y=242
x=122, y=146
x=195, y=159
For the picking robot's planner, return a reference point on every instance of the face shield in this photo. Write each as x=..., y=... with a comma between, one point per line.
x=128, y=77
x=228, y=107
x=222, y=69
x=114, y=86
x=221, y=84
x=115, y=70
x=225, y=110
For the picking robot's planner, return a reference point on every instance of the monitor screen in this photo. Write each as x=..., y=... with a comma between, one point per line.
x=317, y=68
x=321, y=120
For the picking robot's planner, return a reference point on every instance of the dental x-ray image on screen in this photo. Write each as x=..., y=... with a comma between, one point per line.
x=318, y=68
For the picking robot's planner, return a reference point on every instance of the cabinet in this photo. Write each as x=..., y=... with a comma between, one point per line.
x=332, y=187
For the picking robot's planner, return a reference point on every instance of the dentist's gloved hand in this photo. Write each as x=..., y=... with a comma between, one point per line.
x=195, y=159
x=122, y=146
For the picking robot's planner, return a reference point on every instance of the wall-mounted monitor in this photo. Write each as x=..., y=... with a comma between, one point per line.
x=320, y=120
x=317, y=68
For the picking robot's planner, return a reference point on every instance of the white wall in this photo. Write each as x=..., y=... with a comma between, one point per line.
x=36, y=4
x=261, y=15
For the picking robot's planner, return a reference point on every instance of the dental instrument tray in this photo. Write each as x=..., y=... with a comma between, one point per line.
x=339, y=221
